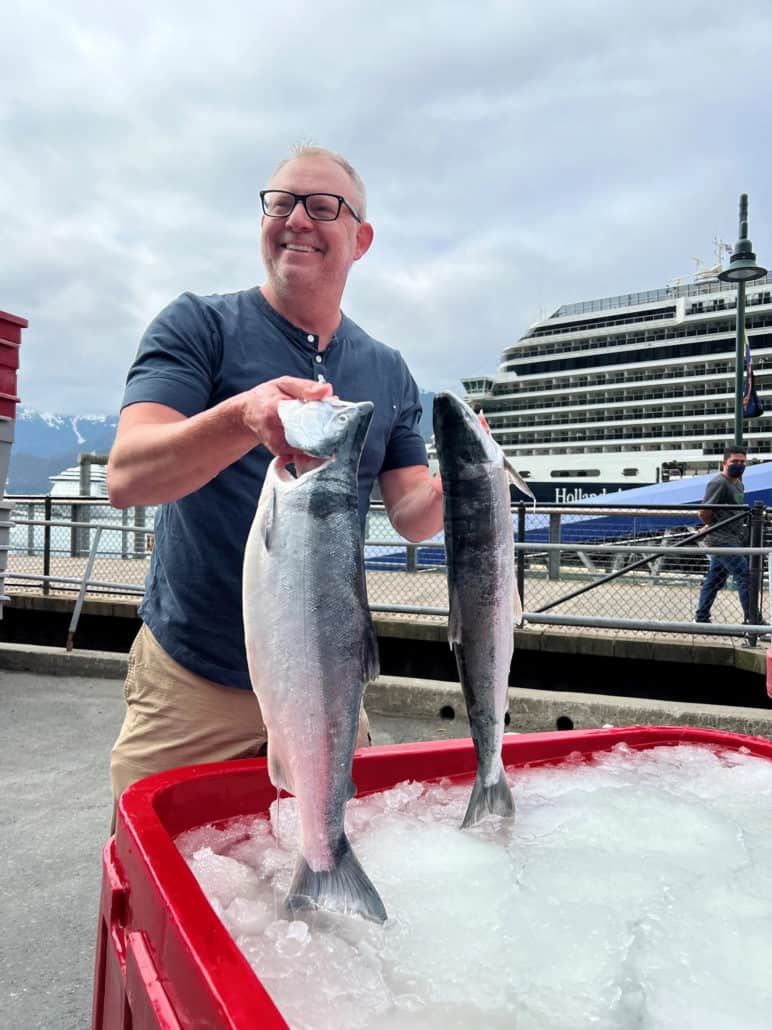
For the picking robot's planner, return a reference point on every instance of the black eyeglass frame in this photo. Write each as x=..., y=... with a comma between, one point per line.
x=301, y=198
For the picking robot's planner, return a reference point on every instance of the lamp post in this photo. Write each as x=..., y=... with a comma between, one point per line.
x=742, y=269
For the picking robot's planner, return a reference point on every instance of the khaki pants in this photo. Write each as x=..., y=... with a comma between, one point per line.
x=174, y=718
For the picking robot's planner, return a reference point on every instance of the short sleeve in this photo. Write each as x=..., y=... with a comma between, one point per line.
x=405, y=446
x=715, y=493
x=178, y=358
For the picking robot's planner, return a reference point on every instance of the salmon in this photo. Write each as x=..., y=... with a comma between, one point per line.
x=482, y=592
x=310, y=641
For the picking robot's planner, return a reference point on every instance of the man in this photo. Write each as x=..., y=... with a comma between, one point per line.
x=725, y=488
x=198, y=428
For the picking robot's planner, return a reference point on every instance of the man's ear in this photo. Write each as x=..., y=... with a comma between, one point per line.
x=365, y=235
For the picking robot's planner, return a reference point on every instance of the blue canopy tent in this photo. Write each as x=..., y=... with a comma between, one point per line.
x=584, y=528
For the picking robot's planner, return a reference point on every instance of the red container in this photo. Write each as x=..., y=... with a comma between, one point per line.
x=7, y=380
x=11, y=327
x=9, y=353
x=8, y=402
x=165, y=960
x=10, y=341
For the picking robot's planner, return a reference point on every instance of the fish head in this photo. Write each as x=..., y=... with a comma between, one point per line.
x=326, y=428
x=459, y=436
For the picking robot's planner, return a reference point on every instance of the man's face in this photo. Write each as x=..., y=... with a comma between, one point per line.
x=302, y=255
x=734, y=459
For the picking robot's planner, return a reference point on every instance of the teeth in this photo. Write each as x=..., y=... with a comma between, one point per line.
x=302, y=250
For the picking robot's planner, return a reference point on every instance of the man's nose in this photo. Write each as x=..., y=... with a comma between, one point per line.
x=298, y=217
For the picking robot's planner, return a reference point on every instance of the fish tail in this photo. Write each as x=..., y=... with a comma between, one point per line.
x=345, y=888
x=496, y=799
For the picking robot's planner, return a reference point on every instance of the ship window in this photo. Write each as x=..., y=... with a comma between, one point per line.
x=574, y=473
x=629, y=472
x=525, y=474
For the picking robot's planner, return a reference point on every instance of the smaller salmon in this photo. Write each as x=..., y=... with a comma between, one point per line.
x=479, y=547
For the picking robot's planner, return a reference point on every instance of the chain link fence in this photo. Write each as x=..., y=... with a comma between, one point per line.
x=633, y=568
x=633, y=565
x=56, y=541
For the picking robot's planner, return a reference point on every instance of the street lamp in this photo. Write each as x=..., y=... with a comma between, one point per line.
x=742, y=269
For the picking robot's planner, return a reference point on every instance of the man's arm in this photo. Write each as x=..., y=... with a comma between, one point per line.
x=714, y=494
x=159, y=455
x=413, y=499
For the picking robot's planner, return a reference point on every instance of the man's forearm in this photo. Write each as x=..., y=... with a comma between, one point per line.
x=413, y=500
x=156, y=462
x=159, y=455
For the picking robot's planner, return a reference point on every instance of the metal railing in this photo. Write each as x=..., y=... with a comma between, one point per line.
x=636, y=569
x=53, y=539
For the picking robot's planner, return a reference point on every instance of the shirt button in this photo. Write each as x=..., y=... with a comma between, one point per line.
x=310, y=338
x=318, y=359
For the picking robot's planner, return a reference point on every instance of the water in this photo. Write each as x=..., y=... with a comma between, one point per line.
x=634, y=891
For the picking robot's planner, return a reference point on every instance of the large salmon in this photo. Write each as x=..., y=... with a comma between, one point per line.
x=479, y=546
x=310, y=641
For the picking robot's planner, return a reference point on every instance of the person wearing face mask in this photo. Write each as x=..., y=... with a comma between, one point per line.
x=725, y=488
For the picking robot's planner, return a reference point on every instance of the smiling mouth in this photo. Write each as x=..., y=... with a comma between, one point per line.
x=299, y=249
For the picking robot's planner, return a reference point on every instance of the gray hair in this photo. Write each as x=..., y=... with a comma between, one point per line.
x=301, y=150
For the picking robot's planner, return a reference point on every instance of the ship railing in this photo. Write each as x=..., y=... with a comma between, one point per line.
x=623, y=567
x=650, y=296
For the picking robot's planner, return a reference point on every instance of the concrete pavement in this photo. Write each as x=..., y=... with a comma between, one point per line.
x=55, y=807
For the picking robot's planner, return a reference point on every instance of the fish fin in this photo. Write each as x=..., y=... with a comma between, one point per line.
x=370, y=664
x=269, y=521
x=346, y=888
x=517, y=606
x=517, y=479
x=496, y=800
x=454, y=620
x=276, y=772
x=458, y=654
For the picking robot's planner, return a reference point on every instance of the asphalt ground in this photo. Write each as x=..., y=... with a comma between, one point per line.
x=55, y=809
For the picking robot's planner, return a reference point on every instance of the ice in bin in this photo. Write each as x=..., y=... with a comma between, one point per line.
x=163, y=957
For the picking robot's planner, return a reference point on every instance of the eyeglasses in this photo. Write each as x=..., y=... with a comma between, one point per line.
x=320, y=207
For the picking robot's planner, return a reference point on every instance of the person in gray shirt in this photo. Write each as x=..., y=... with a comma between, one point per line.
x=725, y=488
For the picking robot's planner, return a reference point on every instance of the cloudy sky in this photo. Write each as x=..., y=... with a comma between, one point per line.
x=518, y=156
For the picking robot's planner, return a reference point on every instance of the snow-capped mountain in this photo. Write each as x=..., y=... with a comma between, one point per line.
x=45, y=444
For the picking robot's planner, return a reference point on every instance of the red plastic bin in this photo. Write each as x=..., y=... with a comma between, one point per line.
x=8, y=402
x=11, y=327
x=9, y=353
x=10, y=341
x=164, y=959
x=7, y=380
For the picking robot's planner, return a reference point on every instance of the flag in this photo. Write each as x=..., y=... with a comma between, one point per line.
x=752, y=406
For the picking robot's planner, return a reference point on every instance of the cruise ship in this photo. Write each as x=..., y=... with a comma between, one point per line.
x=628, y=391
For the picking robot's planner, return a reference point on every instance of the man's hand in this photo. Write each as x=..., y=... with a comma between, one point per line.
x=160, y=455
x=261, y=404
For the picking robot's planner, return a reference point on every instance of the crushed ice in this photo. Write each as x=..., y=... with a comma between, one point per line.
x=635, y=890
